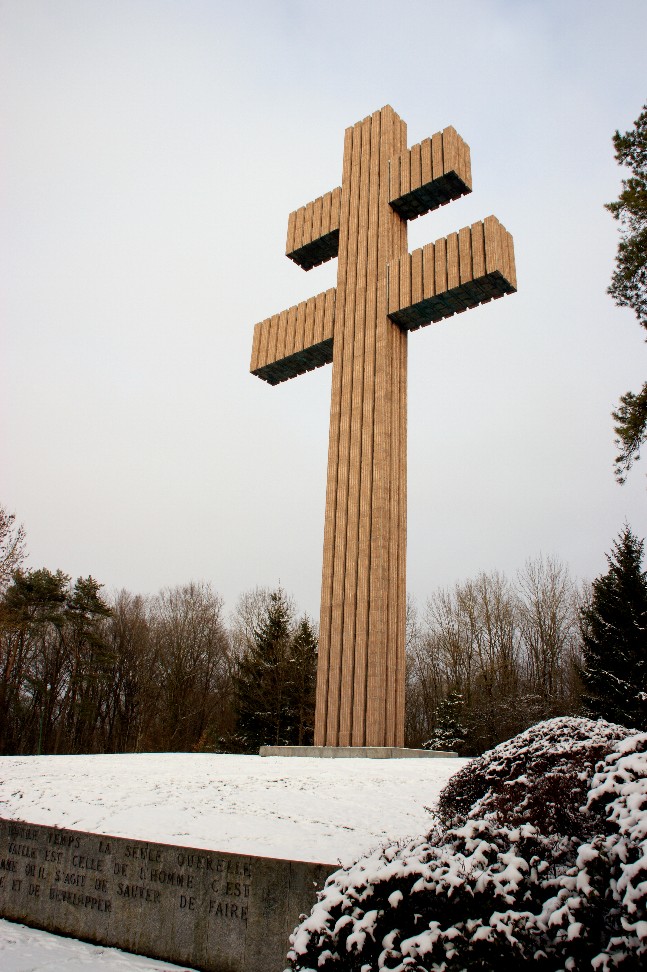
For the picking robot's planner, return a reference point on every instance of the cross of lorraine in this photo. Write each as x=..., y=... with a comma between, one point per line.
x=361, y=326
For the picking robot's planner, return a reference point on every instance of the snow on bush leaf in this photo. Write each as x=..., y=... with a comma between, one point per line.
x=505, y=881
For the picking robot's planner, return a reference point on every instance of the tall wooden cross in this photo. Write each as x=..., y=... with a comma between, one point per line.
x=361, y=325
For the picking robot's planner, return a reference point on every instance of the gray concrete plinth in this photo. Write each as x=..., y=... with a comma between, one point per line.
x=356, y=752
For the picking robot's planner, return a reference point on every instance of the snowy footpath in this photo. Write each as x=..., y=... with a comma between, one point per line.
x=328, y=810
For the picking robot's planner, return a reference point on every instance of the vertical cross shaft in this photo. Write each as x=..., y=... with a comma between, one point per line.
x=360, y=683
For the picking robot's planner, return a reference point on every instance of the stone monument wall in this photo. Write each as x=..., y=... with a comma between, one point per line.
x=213, y=911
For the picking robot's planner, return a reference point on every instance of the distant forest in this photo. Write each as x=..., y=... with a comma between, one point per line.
x=85, y=672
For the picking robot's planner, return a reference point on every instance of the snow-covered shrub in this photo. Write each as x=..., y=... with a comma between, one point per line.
x=540, y=777
x=505, y=881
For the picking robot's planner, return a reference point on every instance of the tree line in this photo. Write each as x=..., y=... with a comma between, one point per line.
x=81, y=672
x=489, y=657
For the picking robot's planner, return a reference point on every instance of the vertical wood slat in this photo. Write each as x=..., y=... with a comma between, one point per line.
x=426, y=171
x=355, y=629
x=300, y=328
x=394, y=177
x=507, y=256
x=335, y=208
x=468, y=165
x=298, y=228
x=493, y=254
x=376, y=645
x=263, y=343
x=292, y=219
x=438, y=168
x=405, y=279
x=440, y=253
x=416, y=276
x=341, y=432
x=416, y=166
x=350, y=573
x=309, y=327
x=307, y=223
x=316, y=218
x=265, y=336
x=397, y=549
x=405, y=172
x=326, y=203
x=271, y=347
x=464, y=162
x=402, y=551
x=450, y=149
x=253, y=365
x=428, y=271
x=511, y=260
x=478, y=250
x=319, y=318
x=385, y=500
x=465, y=255
x=341, y=473
x=394, y=285
x=344, y=591
x=291, y=340
x=397, y=581
x=503, y=250
x=281, y=335
x=376, y=191
x=329, y=314
x=453, y=279
x=377, y=502
x=342, y=199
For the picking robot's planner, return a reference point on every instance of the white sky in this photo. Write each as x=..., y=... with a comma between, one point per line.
x=151, y=153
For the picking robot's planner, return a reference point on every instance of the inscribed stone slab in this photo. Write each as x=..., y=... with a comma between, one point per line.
x=214, y=911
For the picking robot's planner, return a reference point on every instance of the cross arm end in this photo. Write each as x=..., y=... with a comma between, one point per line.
x=431, y=174
x=313, y=231
x=295, y=341
x=452, y=275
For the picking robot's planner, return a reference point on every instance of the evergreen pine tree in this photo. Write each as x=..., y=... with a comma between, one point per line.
x=274, y=681
x=614, y=631
x=449, y=733
x=302, y=683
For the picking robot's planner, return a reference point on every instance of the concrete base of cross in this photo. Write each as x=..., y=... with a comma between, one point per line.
x=356, y=752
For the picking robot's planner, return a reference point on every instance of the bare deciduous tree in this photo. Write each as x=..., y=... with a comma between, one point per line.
x=508, y=652
x=12, y=547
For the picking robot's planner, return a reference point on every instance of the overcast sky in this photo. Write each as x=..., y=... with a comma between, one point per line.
x=151, y=153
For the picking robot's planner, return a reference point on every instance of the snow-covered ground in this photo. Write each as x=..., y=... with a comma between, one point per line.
x=28, y=950
x=303, y=809
x=328, y=810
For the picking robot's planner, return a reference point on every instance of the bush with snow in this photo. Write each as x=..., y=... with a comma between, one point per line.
x=539, y=855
